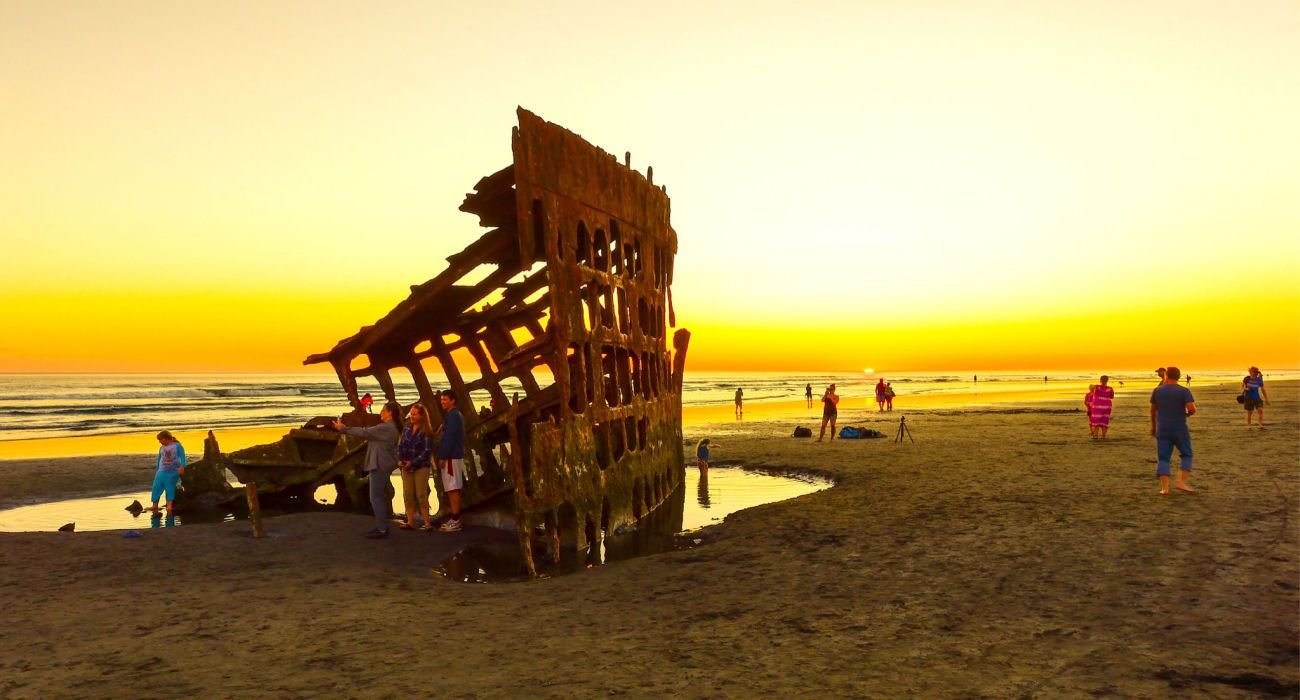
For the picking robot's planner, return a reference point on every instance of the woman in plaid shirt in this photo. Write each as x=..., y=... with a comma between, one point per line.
x=414, y=451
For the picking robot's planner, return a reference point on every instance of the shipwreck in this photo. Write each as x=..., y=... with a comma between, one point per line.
x=567, y=298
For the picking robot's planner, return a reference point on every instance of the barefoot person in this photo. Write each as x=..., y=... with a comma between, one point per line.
x=1171, y=404
x=740, y=397
x=702, y=456
x=381, y=460
x=171, y=464
x=1087, y=405
x=807, y=394
x=830, y=411
x=451, y=457
x=1252, y=389
x=414, y=455
x=1103, y=403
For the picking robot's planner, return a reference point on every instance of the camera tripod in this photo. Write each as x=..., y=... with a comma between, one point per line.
x=903, y=430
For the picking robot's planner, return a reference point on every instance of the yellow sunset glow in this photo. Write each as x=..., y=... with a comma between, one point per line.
x=210, y=187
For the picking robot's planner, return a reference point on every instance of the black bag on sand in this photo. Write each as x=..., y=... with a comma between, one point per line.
x=802, y=432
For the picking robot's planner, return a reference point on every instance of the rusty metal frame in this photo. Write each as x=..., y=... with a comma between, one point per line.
x=580, y=257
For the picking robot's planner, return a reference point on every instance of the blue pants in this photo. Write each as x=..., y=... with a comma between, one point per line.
x=1166, y=440
x=379, y=499
x=165, y=481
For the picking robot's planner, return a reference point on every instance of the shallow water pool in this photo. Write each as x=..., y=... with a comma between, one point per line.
x=704, y=502
x=699, y=502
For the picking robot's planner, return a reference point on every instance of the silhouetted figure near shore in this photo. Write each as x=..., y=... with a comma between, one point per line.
x=830, y=411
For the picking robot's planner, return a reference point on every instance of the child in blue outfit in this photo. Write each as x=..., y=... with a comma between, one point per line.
x=702, y=455
x=171, y=464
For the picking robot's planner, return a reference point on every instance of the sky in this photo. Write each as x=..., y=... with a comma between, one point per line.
x=231, y=186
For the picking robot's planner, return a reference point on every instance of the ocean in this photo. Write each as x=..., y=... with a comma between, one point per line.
x=35, y=406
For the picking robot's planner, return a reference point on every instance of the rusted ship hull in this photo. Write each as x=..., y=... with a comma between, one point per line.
x=568, y=295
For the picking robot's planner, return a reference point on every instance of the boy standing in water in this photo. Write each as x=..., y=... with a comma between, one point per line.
x=451, y=457
x=171, y=464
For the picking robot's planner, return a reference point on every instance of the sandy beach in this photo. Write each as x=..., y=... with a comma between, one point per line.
x=1004, y=553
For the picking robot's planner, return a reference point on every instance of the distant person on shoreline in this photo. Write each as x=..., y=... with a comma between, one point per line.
x=1044, y=378
x=702, y=456
x=830, y=411
x=1103, y=398
x=414, y=458
x=381, y=460
x=807, y=393
x=889, y=396
x=1171, y=404
x=1256, y=396
x=880, y=394
x=975, y=379
x=740, y=405
x=1160, y=372
x=170, y=466
x=366, y=402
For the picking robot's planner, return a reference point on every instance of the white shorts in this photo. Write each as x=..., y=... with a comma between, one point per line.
x=455, y=480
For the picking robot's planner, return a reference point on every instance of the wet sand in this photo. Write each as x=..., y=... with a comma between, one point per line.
x=1004, y=553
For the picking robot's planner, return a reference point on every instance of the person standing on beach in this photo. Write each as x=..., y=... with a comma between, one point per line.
x=414, y=455
x=880, y=394
x=830, y=411
x=1161, y=373
x=1087, y=405
x=1171, y=404
x=807, y=393
x=889, y=396
x=367, y=401
x=1103, y=402
x=1256, y=396
x=451, y=457
x=171, y=464
x=381, y=460
x=740, y=408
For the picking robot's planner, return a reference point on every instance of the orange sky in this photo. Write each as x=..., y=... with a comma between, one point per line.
x=215, y=186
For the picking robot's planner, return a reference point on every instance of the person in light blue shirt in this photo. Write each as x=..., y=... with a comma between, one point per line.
x=171, y=464
x=702, y=449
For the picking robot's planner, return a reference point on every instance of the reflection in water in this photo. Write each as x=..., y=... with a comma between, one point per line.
x=719, y=492
x=109, y=512
x=724, y=490
x=100, y=513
